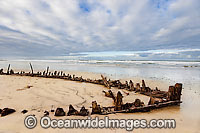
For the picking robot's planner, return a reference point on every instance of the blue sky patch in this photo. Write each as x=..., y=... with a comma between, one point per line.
x=84, y=6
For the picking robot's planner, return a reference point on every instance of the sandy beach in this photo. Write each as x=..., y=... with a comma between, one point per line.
x=46, y=94
x=100, y=66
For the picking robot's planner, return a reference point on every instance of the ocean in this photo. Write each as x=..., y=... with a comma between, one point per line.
x=177, y=71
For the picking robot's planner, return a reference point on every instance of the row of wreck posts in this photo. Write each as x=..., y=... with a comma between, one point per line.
x=157, y=98
x=46, y=73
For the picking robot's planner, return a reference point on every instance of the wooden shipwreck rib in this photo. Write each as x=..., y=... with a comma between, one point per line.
x=158, y=99
x=146, y=108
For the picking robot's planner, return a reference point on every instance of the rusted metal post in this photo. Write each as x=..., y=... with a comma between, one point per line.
x=131, y=85
x=143, y=86
x=8, y=70
x=61, y=73
x=171, y=93
x=106, y=83
x=55, y=73
x=109, y=94
x=47, y=70
x=96, y=109
x=174, y=92
x=178, y=87
x=31, y=68
x=118, y=101
x=43, y=73
x=138, y=87
x=72, y=111
x=12, y=72
x=1, y=71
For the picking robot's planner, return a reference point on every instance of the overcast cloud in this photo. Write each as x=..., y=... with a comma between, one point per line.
x=59, y=27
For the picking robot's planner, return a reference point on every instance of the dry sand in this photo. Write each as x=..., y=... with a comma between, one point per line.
x=46, y=94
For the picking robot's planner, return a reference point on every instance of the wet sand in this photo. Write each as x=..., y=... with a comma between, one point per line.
x=46, y=94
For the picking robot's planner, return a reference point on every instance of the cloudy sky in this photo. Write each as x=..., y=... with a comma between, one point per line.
x=60, y=27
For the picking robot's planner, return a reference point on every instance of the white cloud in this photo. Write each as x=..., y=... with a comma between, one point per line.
x=74, y=25
x=176, y=25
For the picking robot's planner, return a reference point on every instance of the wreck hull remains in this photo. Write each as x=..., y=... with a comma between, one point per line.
x=158, y=99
